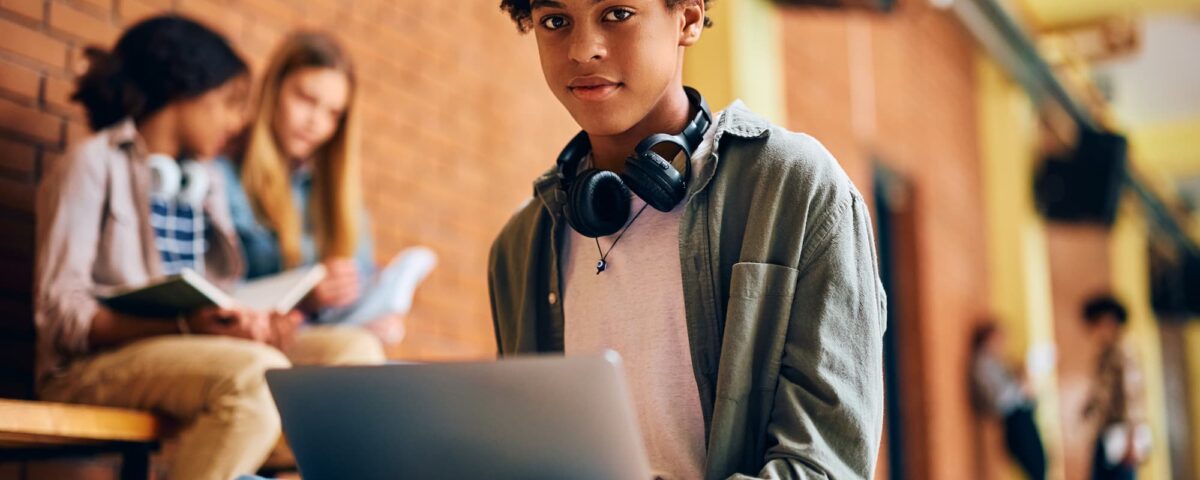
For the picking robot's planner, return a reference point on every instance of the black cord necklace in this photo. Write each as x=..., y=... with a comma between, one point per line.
x=603, y=263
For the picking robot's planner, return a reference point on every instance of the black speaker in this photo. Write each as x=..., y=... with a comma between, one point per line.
x=1086, y=185
x=1175, y=286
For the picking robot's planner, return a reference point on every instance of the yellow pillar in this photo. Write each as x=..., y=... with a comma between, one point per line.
x=1162, y=151
x=740, y=57
x=1191, y=338
x=1019, y=270
x=1131, y=282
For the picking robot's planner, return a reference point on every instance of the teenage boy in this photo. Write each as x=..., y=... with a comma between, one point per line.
x=745, y=302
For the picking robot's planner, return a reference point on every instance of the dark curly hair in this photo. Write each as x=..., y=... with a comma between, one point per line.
x=522, y=13
x=157, y=61
x=1104, y=306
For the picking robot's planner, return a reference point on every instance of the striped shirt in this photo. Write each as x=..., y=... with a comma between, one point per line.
x=179, y=234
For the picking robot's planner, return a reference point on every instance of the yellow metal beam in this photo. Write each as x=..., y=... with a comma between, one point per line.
x=1051, y=14
x=1167, y=147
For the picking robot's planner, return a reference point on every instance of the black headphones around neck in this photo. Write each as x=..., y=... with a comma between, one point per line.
x=598, y=200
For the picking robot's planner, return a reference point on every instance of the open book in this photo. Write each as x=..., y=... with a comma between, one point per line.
x=189, y=291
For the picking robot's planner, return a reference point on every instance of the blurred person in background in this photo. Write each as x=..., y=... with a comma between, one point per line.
x=1004, y=392
x=137, y=201
x=296, y=193
x=1116, y=399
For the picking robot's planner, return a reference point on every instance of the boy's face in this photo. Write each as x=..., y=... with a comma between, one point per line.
x=609, y=62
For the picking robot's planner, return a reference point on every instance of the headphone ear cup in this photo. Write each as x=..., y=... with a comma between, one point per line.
x=597, y=204
x=166, y=176
x=195, y=183
x=653, y=179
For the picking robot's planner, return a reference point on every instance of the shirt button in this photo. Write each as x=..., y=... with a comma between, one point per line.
x=552, y=298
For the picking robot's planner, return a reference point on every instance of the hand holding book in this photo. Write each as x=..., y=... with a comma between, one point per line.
x=239, y=322
x=189, y=292
x=340, y=287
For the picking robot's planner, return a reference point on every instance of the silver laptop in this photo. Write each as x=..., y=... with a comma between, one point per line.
x=526, y=418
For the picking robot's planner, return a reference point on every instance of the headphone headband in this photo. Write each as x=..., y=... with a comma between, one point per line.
x=694, y=132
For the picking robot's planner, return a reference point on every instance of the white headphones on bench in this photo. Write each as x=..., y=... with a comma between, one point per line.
x=185, y=182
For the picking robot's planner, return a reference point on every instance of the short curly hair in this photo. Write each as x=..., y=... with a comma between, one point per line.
x=522, y=12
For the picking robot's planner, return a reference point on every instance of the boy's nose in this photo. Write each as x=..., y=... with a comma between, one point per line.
x=587, y=47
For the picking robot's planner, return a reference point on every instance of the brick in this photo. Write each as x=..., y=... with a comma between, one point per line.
x=16, y=197
x=131, y=11
x=18, y=80
x=31, y=9
x=77, y=132
x=16, y=241
x=99, y=6
x=18, y=159
x=49, y=160
x=39, y=126
x=274, y=10
x=82, y=24
x=218, y=16
x=259, y=41
x=56, y=96
x=32, y=44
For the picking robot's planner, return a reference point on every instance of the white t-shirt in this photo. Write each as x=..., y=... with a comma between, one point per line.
x=635, y=307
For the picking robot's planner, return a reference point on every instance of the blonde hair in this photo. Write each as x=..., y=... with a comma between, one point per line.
x=336, y=201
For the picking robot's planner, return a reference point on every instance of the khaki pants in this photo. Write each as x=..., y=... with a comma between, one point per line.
x=213, y=386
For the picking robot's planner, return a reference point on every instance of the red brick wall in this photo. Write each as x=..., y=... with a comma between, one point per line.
x=458, y=123
x=899, y=89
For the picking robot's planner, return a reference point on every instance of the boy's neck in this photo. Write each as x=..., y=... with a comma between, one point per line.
x=670, y=115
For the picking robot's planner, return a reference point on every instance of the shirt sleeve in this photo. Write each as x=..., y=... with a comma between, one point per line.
x=828, y=409
x=70, y=209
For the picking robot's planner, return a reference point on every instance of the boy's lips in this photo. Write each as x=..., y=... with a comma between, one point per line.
x=593, y=88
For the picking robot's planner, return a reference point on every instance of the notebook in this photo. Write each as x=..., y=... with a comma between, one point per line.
x=189, y=291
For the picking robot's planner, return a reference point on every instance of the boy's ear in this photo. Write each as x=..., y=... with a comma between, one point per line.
x=693, y=22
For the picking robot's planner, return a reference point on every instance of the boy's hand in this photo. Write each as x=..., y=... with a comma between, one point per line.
x=236, y=322
x=339, y=288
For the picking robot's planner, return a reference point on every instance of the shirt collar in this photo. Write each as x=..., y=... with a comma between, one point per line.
x=124, y=136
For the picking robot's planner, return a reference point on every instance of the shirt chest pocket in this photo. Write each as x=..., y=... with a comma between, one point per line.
x=756, y=320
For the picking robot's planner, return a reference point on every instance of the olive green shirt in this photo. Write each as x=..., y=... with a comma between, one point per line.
x=785, y=310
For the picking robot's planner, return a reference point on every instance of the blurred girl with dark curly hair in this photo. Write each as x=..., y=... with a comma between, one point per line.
x=138, y=201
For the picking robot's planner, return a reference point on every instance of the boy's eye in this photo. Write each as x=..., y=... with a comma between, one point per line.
x=553, y=22
x=617, y=15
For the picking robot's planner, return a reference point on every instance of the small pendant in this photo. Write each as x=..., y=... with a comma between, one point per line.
x=600, y=266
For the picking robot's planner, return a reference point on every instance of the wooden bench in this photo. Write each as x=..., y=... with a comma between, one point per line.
x=32, y=430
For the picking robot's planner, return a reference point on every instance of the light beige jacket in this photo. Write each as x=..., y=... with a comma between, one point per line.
x=93, y=232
